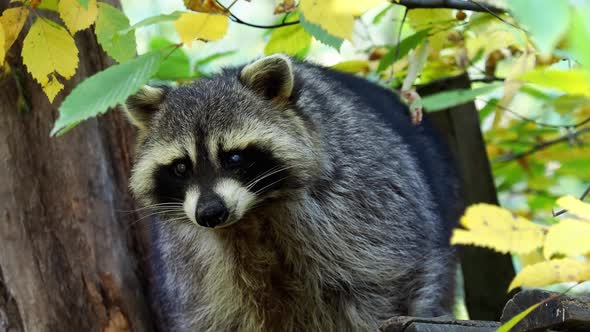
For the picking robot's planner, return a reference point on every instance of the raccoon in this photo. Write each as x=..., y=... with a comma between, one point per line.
x=292, y=197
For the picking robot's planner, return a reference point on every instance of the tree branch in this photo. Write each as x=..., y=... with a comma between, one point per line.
x=515, y=156
x=451, y=4
x=409, y=4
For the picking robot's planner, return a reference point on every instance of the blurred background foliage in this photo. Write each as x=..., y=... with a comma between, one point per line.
x=534, y=116
x=528, y=61
x=517, y=118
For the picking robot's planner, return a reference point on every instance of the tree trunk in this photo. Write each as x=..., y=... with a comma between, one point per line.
x=486, y=274
x=70, y=252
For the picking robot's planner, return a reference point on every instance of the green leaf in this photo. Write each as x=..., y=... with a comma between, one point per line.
x=153, y=20
x=52, y=5
x=488, y=109
x=580, y=34
x=106, y=89
x=405, y=46
x=84, y=3
x=176, y=65
x=320, y=34
x=292, y=40
x=447, y=99
x=110, y=21
x=514, y=320
x=546, y=26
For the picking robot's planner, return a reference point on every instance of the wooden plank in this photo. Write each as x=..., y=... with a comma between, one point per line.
x=439, y=324
x=564, y=313
x=487, y=274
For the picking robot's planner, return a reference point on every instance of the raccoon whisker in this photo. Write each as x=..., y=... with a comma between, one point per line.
x=153, y=206
x=145, y=218
x=153, y=213
x=177, y=219
x=269, y=185
x=268, y=173
x=265, y=175
x=261, y=176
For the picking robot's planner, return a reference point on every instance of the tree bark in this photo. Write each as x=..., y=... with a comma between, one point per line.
x=70, y=254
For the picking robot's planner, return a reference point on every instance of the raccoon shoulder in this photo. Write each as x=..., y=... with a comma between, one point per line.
x=425, y=143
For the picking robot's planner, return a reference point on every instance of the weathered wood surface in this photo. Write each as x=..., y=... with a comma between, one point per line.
x=486, y=274
x=68, y=252
x=416, y=324
x=564, y=313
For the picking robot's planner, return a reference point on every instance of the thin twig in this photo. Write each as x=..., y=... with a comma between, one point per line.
x=538, y=123
x=399, y=38
x=273, y=26
x=409, y=4
x=451, y=4
x=515, y=156
x=560, y=212
x=236, y=19
x=487, y=79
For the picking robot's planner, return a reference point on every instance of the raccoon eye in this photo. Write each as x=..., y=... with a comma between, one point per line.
x=234, y=160
x=180, y=169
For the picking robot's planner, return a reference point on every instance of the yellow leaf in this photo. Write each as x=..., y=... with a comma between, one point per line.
x=552, y=272
x=75, y=16
x=574, y=82
x=569, y=237
x=575, y=206
x=291, y=40
x=2, y=50
x=13, y=20
x=48, y=49
x=191, y=26
x=531, y=258
x=498, y=229
x=52, y=87
x=336, y=16
x=352, y=66
x=205, y=6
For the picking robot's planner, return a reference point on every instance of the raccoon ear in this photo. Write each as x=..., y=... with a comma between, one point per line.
x=272, y=76
x=141, y=106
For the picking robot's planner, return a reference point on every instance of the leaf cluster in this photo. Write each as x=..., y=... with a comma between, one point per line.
x=564, y=245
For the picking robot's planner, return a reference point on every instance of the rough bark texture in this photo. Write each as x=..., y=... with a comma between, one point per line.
x=68, y=249
x=486, y=274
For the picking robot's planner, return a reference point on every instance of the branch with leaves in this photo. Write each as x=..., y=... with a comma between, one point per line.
x=570, y=137
x=475, y=6
x=561, y=243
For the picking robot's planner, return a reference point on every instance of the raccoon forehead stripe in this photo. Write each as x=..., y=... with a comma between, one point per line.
x=255, y=135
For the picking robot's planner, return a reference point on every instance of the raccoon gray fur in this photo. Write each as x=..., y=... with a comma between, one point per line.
x=292, y=198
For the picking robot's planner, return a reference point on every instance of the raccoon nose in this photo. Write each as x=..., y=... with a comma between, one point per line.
x=211, y=211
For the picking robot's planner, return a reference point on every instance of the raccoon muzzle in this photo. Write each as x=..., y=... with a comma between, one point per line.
x=211, y=211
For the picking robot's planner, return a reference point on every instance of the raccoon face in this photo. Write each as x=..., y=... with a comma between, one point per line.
x=220, y=147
